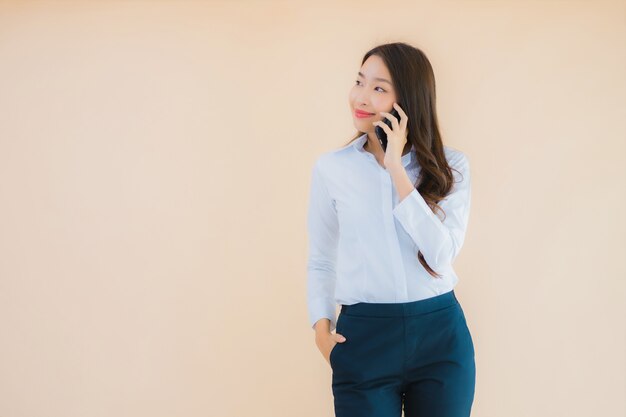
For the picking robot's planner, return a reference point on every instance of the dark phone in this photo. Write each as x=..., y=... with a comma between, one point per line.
x=382, y=135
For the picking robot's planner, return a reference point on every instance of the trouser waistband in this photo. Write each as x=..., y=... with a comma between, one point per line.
x=410, y=308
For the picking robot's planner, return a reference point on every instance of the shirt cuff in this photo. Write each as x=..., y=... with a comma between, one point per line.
x=406, y=212
x=321, y=311
x=423, y=225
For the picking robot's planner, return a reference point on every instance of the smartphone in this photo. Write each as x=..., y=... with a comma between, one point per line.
x=381, y=134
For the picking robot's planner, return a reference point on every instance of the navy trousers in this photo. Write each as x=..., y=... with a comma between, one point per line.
x=417, y=356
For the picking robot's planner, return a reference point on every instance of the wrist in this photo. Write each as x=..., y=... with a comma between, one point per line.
x=394, y=167
x=322, y=327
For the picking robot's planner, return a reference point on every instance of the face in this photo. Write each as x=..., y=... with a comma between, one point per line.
x=371, y=94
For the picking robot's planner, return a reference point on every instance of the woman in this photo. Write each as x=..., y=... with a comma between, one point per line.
x=384, y=228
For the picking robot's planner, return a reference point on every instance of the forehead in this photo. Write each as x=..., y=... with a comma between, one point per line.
x=375, y=68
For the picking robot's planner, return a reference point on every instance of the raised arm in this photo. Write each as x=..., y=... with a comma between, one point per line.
x=439, y=241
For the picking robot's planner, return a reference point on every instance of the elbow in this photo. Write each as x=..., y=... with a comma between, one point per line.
x=445, y=255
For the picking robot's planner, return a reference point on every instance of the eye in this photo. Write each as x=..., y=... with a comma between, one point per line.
x=383, y=90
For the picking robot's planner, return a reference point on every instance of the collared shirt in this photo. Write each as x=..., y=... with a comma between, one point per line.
x=363, y=241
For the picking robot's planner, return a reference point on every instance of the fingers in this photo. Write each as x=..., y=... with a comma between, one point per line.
x=394, y=121
x=339, y=337
x=384, y=126
x=403, y=115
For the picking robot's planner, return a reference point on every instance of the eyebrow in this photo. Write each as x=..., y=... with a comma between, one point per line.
x=377, y=78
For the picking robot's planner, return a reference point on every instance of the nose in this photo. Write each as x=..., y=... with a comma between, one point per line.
x=363, y=100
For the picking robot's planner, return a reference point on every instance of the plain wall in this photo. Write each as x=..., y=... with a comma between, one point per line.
x=155, y=162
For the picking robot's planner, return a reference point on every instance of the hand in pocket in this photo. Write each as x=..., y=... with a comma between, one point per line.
x=328, y=343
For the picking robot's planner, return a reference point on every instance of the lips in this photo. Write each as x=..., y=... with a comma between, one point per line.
x=363, y=113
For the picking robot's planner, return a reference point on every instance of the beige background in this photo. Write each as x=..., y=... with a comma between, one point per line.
x=155, y=162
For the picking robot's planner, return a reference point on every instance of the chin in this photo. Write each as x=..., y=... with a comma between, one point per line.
x=364, y=125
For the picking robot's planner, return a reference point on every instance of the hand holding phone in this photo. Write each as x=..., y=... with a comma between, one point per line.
x=381, y=134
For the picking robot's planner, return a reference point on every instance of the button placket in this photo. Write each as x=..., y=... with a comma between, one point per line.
x=399, y=275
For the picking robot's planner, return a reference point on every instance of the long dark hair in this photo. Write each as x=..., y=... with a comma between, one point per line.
x=414, y=83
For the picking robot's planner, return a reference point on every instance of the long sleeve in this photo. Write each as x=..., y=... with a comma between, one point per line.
x=323, y=234
x=439, y=241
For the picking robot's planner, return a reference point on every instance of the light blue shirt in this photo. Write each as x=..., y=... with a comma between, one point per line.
x=363, y=241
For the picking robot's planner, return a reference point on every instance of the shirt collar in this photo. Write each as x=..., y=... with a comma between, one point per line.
x=361, y=140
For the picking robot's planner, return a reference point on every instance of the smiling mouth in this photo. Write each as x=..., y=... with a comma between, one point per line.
x=360, y=114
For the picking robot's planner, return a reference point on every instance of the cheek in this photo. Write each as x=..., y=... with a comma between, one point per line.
x=382, y=103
